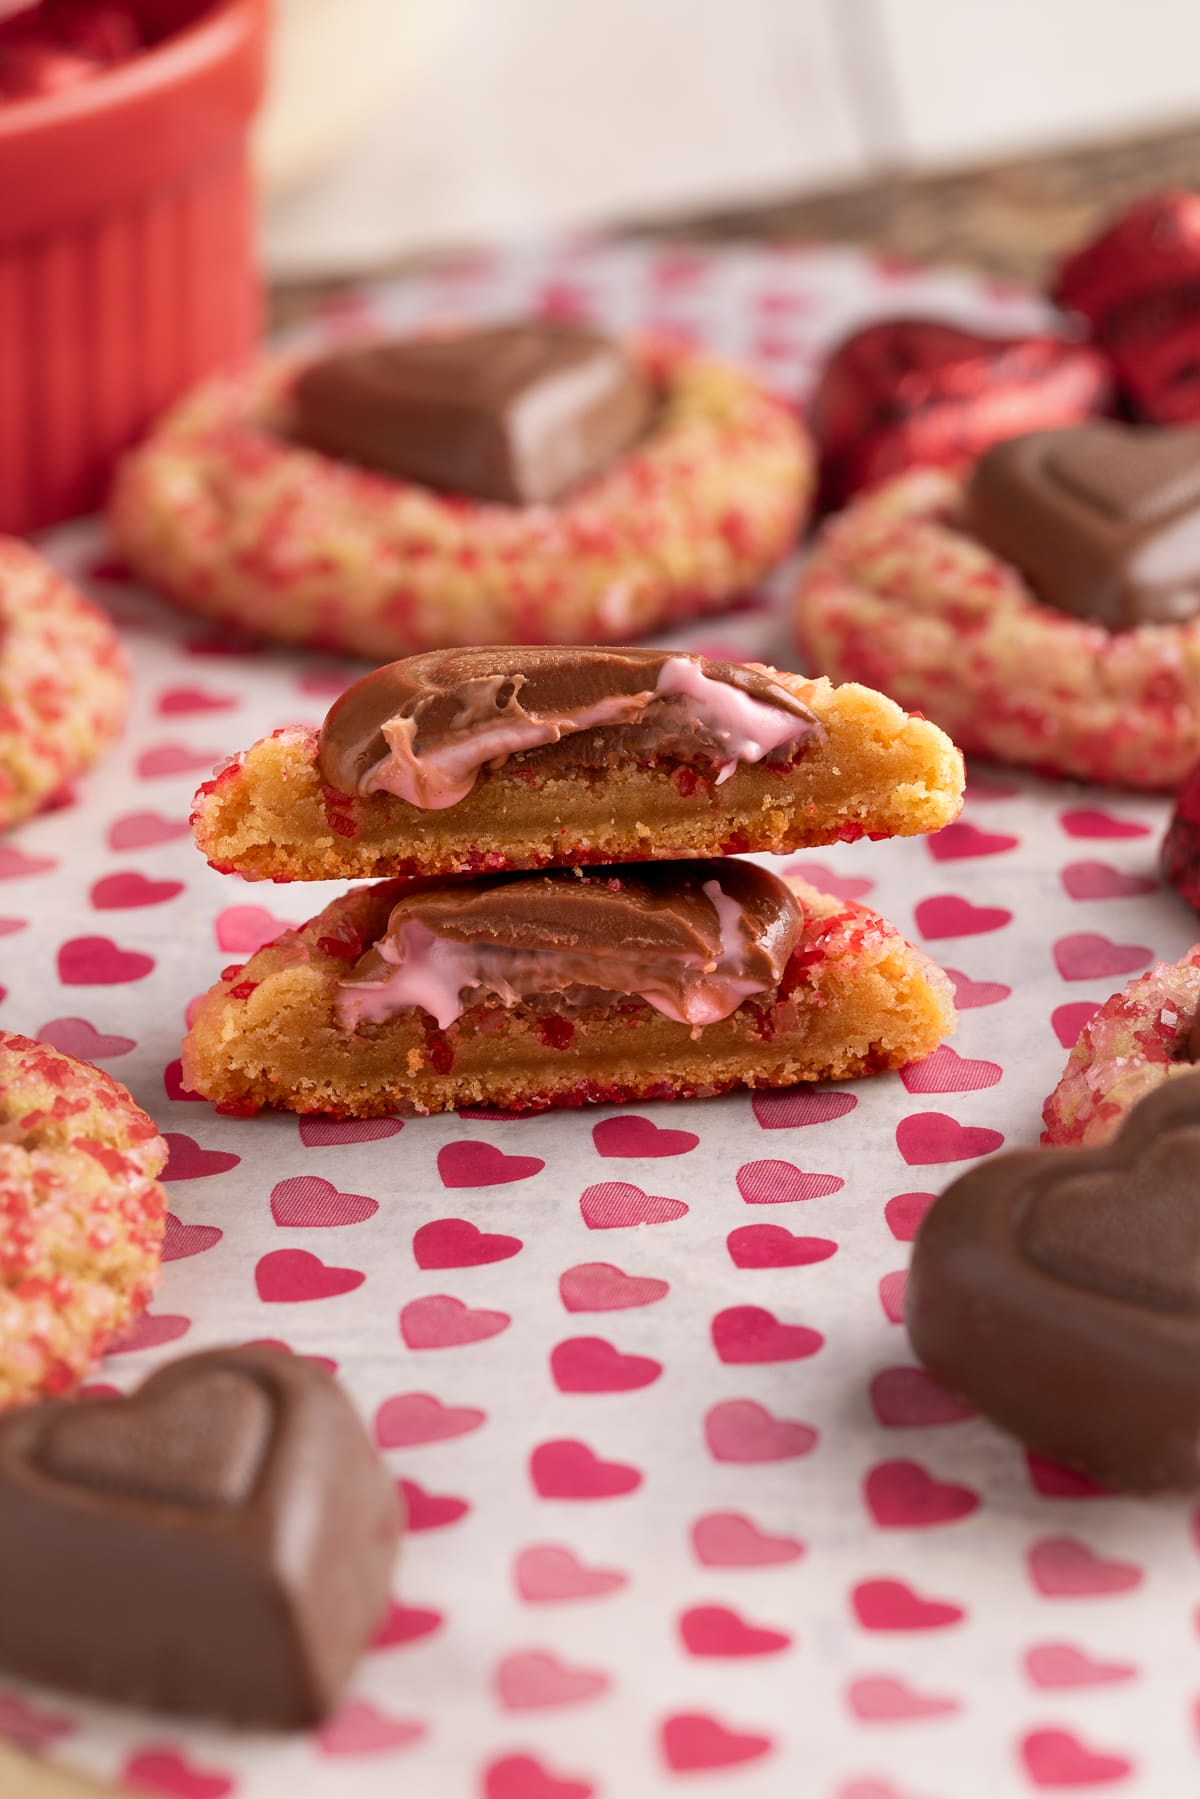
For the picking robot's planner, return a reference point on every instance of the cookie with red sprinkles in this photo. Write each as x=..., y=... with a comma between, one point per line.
x=898, y=595
x=64, y=682
x=225, y=512
x=82, y=1216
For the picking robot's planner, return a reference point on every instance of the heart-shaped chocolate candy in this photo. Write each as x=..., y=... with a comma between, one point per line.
x=1058, y=1290
x=1102, y=519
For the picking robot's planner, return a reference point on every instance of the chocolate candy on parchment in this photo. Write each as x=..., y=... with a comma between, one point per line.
x=517, y=414
x=1102, y=519
x=1138, y=286
x=1058, y=1290
x=218, y=1543
x=913, y=392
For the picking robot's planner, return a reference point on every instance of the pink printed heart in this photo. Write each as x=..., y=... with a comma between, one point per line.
x=1053, y=1481
x=408, y=1419
x=949, y=915
x=457, y=1243
x=531, y=1679
x=1087, y=956
x=476, y=1164
x=692, y=1741
x=1099, y=880
x=891, y=1295
x=405, y=1624
x=954, y=843
x=30, y=1727
x=783, y=1111
x=99, y=962
x=143, y=830
x=891, y=1605
x=317, y=1132
x=430, y=1511
x=15, y=864
x=360, y=1728
x=188, y=1162
x=163, y=1772
x=903, y=1495
x=945, y=1071
x=1068, y=1021
x=612, y=1205
x=731, y=1540
x=10, y=926
x=752, y=1334
x=306, y=1199
x=925, y=1138
x=1065, y=1568
x=173, y=1085
x=904, y=1213
x=603, y=1287
x=885, y=1699
x=177, y=702
x=241, y=930
x=593, y=1365
x=183, y=1240
x=128, y=889
x=629, y=1136
x=1090, y=822
x=439, y=1321
x=741, y=1430
x=151, y=1331
x=1055, y=1758
x=290, y=1276
x=910, y=1398
x=565, y=1468
x=719, y=1630
x=774, y=1183
x=174, y=759
x=774, y=1246
x=969, y=994
x=1062, y=1665
x=521, y=1777
x=76, y=1037
x=547, y=1573
x=828, y=880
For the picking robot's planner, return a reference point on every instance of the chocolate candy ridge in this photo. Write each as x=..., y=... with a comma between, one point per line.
x=1103, y=519
x=693, y=939
x=517, y=414
x=218, y=1543
x=1058, y=1290
x=424, y=727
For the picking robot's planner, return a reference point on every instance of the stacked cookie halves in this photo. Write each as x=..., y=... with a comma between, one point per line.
x=557, y=911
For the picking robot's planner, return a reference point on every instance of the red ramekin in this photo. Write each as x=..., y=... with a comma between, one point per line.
x=127, y=252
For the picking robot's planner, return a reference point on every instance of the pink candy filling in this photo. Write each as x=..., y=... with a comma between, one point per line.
x=440, y=777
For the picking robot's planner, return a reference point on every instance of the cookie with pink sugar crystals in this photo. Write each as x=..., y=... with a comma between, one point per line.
x=82, y=1216
x=64, y=684
x=1147, y=1034
x=294, y=521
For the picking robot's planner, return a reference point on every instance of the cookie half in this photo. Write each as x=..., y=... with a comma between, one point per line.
x=310, y=1023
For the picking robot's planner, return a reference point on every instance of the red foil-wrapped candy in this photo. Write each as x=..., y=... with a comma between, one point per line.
x=1138, y=287
x=912, y=391
x=1181, y=845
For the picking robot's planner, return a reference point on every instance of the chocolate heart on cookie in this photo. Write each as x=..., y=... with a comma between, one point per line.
x=1058, y=1290
x=1103, y=520
x=914, y=392
x=220, y=1543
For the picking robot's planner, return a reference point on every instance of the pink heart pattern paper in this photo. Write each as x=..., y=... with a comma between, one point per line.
x=685, y=1515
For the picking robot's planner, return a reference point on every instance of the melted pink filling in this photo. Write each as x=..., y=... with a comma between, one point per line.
x=440, y=777
x=443, y=976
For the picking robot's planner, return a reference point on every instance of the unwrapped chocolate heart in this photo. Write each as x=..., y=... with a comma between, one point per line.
x=1058, y=1290
x=1102, y=519
x=220, y=1543
x=918, y=392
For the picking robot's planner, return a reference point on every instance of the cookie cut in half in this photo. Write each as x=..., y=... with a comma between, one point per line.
x=475, y=761
x=674, y=980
